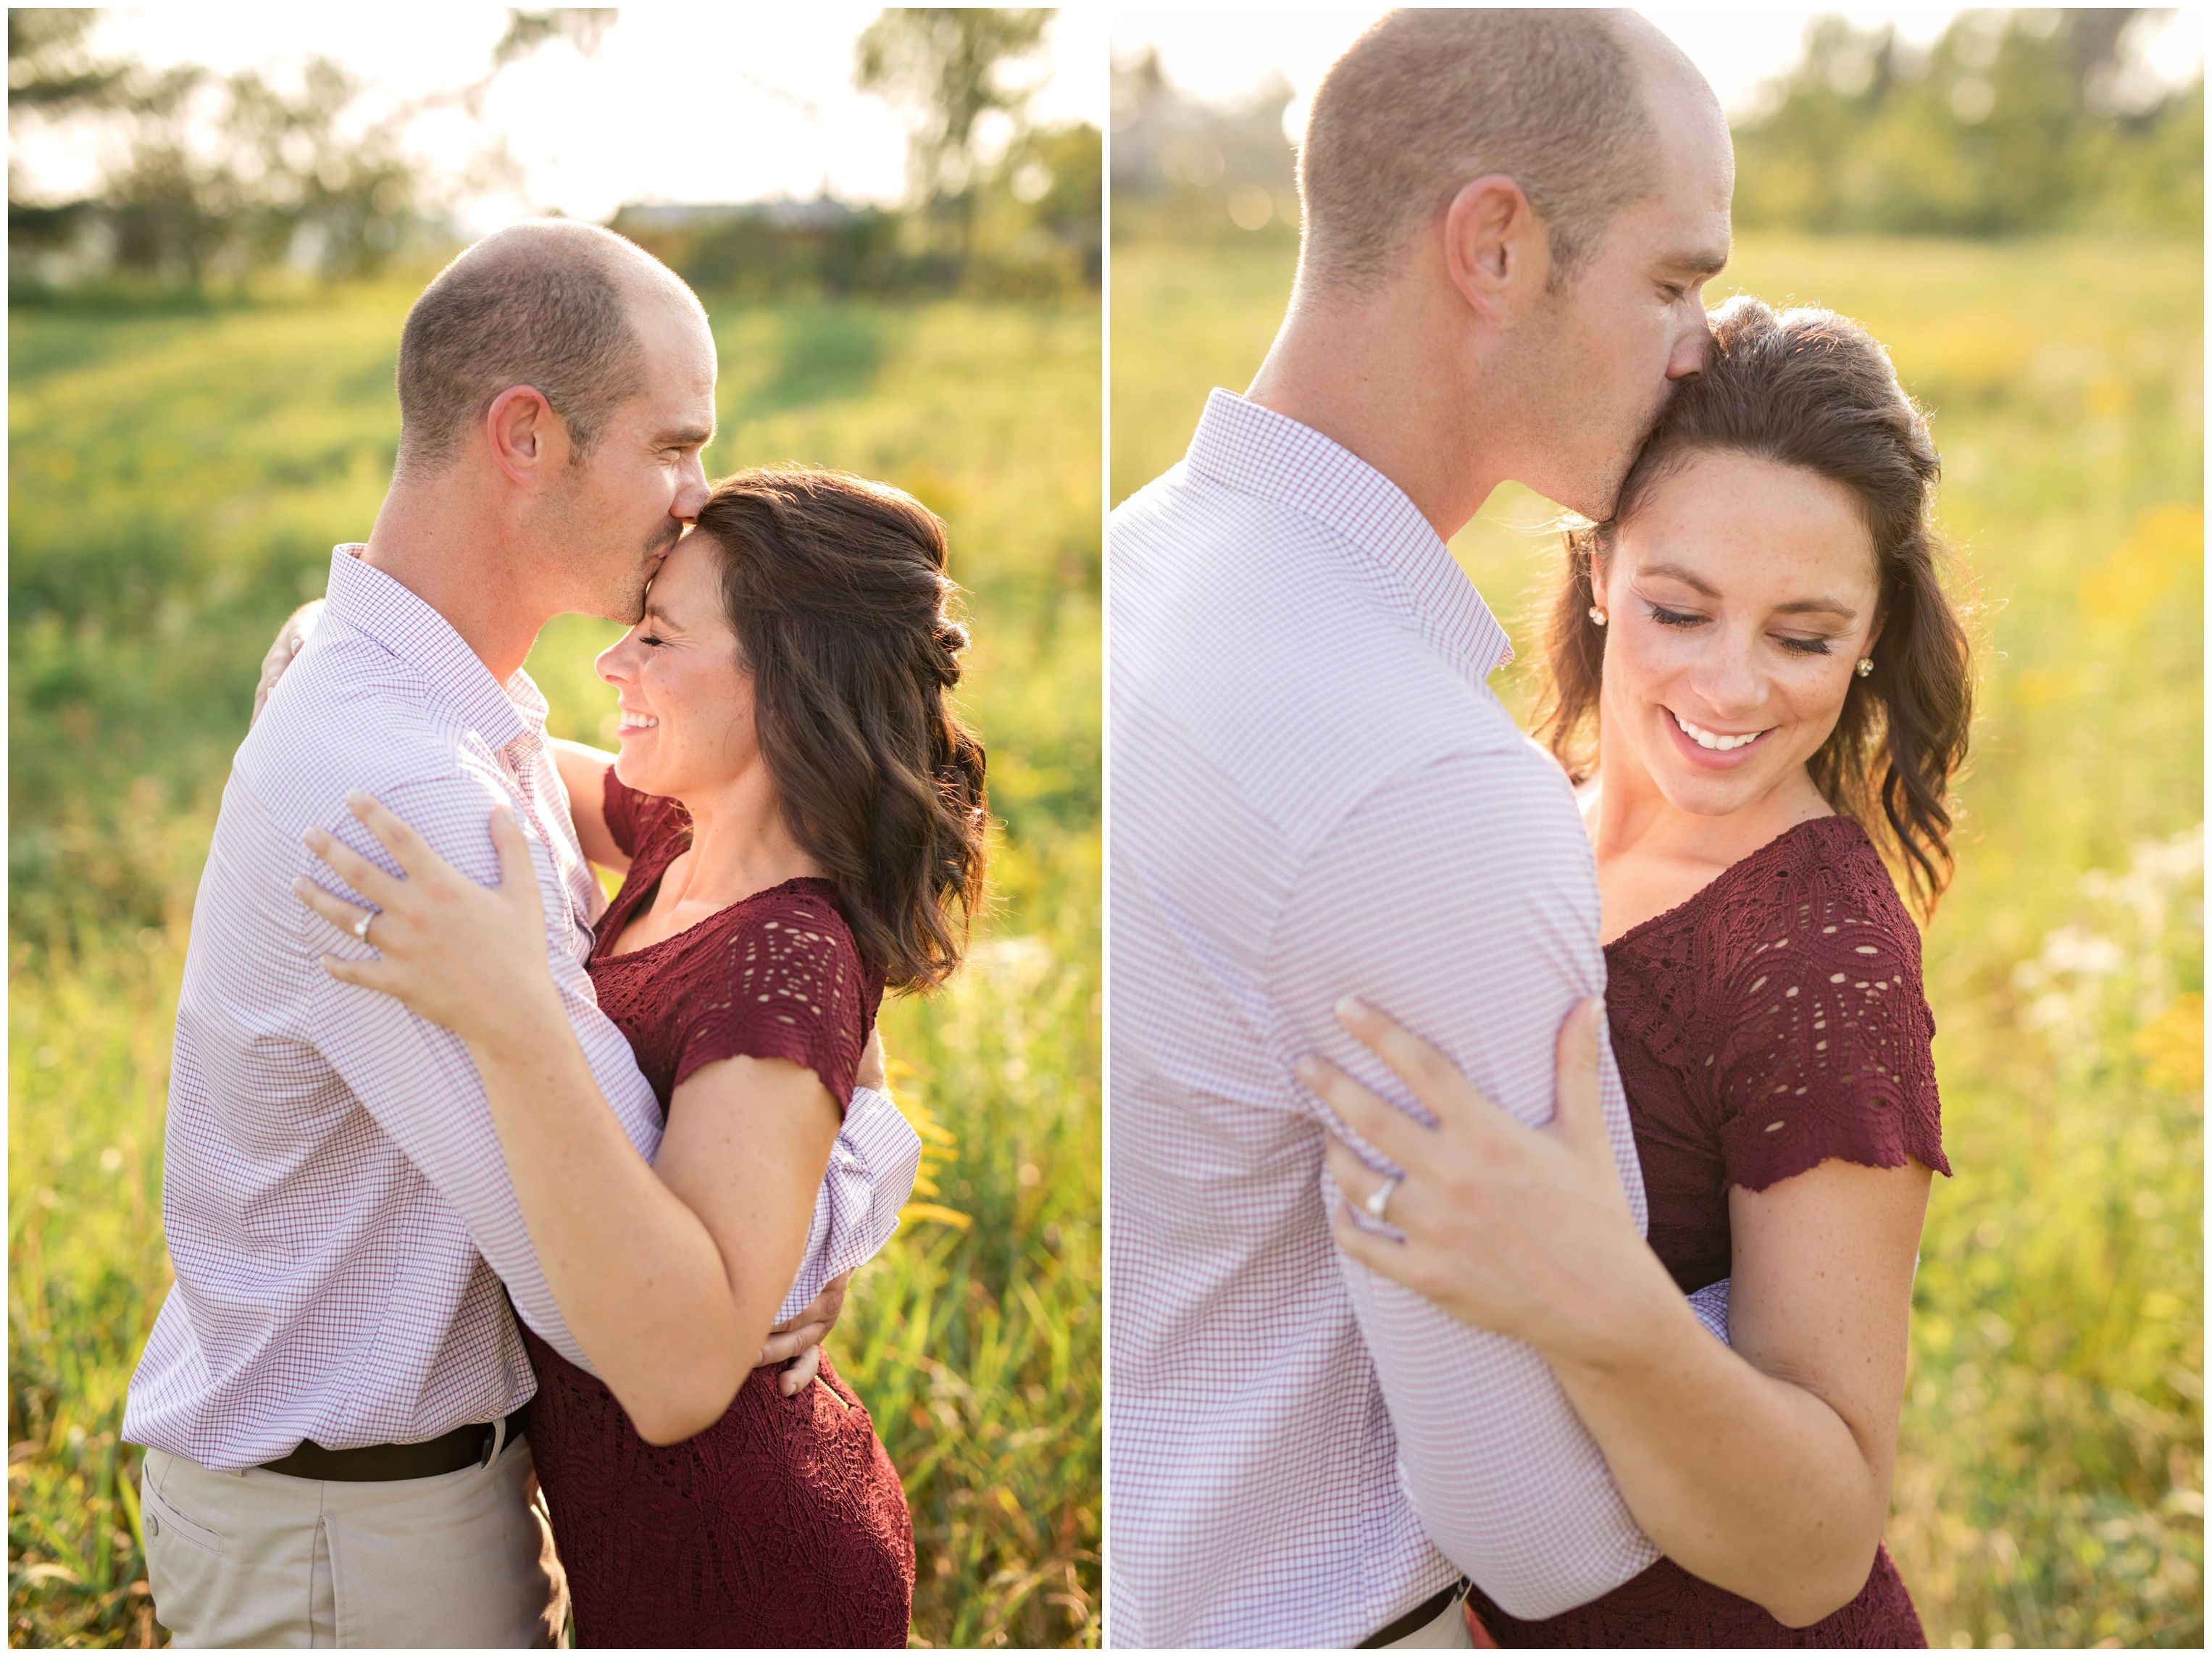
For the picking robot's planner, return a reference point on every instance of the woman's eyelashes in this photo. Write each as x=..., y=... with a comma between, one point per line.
x=1797, y=644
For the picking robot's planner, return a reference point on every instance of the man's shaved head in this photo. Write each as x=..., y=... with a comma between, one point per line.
x=1561, y=101
x=548, y=304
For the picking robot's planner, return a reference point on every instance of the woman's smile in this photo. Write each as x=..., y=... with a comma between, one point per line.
x=1738, y=583
x=1713, y=750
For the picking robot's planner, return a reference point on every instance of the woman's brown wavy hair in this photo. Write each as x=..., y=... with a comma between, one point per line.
x=837, y=590
x=1810, y=389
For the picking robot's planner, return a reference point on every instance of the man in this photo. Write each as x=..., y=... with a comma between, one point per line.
x=333, y=1398
x=1509, y=217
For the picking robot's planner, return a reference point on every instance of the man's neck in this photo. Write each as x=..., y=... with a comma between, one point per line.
x=1358, y=375
x=459, y=567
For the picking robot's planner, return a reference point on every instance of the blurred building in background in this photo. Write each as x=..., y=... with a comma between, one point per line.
x=209, y=182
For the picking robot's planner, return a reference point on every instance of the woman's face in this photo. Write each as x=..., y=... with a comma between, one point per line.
x=1739, y=597
x=686, y=701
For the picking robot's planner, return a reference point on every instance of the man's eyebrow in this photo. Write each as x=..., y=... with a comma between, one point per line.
x=1704, y=263
x=684, y=438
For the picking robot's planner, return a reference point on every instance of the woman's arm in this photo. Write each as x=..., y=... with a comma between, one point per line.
x=584, y=774
x=669, y=1278
x=671, y=1301
x=1764, y=1469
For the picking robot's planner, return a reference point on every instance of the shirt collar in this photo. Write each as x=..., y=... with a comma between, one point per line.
x=1245, y=446
x=366, y=599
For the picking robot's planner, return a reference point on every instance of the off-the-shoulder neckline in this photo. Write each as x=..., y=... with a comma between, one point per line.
x=1734, y=873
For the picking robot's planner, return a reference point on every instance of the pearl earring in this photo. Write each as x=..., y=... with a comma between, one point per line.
x=1597, y=614
x=1865, y=666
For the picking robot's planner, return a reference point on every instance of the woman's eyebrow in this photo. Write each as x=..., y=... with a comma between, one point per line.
x=1818, y=607
x=1689, y=579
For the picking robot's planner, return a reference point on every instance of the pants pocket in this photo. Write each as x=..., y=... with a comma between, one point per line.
x=165, y=1521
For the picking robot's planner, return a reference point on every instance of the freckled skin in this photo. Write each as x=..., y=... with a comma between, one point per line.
x=1698, y=592
x=680, y=666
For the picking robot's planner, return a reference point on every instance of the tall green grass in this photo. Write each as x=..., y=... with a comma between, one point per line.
x=2050, y=1465
x=177, y=483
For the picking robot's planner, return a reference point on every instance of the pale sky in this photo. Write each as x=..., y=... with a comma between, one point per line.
x=683, y=102
x=1219, y=52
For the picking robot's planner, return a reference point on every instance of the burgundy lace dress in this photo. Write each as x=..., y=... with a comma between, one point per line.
x=1772, y=1022
x=783, y=1524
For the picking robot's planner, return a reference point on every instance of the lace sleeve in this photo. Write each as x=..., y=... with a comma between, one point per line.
x=1826, y=1049
x=789, y=985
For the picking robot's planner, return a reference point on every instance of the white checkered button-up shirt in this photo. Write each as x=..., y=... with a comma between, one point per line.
x=337, y=1208
x=1314, y=792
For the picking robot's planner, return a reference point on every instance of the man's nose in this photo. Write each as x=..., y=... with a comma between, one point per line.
x=692, y=497
x=1691, y=352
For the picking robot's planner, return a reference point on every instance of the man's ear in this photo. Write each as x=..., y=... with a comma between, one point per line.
x=528, y=440
x=1495, y=248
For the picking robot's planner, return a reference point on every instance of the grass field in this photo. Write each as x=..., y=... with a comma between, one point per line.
x=2051, y=1470
x=177, y=484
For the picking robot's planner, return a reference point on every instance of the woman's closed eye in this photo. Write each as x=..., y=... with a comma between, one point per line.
x=1797, y=644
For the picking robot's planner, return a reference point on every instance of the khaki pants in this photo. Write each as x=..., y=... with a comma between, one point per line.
x=257, y=1558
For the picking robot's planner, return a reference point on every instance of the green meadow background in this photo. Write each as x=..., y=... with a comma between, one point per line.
x=177, y=480
x=2050, y=1478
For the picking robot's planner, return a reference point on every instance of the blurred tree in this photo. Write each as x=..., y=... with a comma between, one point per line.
x=218, y=177
x=2012, y=122
x=52, y=74
x=50, y=67
x=584, y=28
x=945, y=65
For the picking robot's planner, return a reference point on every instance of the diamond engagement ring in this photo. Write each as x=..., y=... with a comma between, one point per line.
x=1378, y=1200
x=360, y=926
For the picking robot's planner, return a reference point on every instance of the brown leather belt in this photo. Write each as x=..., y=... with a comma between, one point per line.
x=448, y=1453
x=1421, y=1615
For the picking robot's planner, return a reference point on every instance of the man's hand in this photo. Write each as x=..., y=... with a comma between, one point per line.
x=289, y=637
x=871, y=1075
x=801, y=1338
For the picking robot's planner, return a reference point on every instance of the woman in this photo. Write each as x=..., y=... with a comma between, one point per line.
x=1780, y=694
x=800, y=816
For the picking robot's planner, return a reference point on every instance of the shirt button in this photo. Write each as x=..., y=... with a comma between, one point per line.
x=153, y=1524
